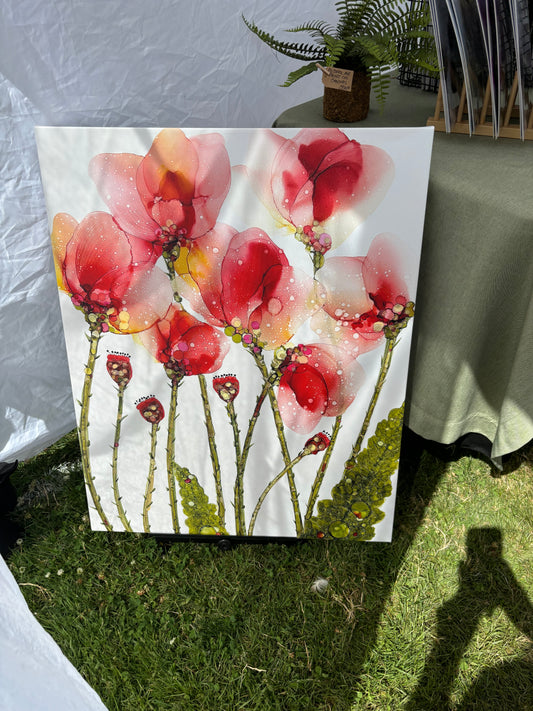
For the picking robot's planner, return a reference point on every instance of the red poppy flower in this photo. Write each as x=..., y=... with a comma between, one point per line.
x=320, y=182
x=171, y=195
x=119, y=368
x=226, y=387
x=151, y=409
x=317, y=381
x=366, y=297
x=243, y=281
x=185, y=345
x=109, y=275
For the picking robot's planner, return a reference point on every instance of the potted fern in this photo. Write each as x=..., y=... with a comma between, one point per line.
x=371, y=38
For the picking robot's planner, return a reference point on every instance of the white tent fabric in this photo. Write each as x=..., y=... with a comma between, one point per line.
x=91, y=63
x=34, y=673
x=102, y=63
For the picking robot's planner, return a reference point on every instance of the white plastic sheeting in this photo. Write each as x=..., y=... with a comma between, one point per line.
x=108, y=63
x=34, y=673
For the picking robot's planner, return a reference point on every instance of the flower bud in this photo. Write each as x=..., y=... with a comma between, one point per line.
x=318, y=443
x=119, y=368
x=151, y=409
x=226, y=387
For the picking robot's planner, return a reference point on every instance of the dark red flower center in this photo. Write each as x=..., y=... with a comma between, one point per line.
x=386, y=314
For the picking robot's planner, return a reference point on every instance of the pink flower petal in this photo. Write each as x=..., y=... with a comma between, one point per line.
x=248, y=258
x=325, y=385
x=346, y=295
x=292, y=189
x=354, y=341
x=146, y=298
x=95, y=254
x=114, y=175
x=200, y=277
x=184, y=182
x=169, y=168
x=212, y=181
x=188, y=341
x=262, y=154
x=302, y=399
x=62, y=230
x=289, y=297
x=383, y=271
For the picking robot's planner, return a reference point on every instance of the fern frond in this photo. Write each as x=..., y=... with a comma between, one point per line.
x=398, y=21
x=365, y=13
x=420, y=61
x=299, y=73
x=290, y=49
x=315, y=29
x=335, y=48
x=377, y=50
x=351, y=16
x=380, y=84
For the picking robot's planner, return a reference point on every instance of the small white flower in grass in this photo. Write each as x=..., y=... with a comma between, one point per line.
x=22, y=569
x=47, y=575
x=79, y=571
x=60, y=571
x=172, y=641
x=320, y=585
x=19, y=542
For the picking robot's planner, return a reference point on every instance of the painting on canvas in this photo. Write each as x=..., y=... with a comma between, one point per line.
x=237, y=307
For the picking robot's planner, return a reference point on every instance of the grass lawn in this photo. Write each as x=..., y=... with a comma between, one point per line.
x=441, y=619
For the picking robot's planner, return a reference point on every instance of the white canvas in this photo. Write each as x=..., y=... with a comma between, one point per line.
x=239, y=302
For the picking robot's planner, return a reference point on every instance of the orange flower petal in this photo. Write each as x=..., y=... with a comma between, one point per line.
x=62, y=230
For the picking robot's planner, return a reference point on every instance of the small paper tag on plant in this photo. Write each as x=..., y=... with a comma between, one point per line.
x=335, y=78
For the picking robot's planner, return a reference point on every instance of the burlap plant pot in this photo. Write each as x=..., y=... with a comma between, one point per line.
x=348, y=106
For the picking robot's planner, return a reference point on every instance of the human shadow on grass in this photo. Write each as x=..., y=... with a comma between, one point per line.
x=422, y=466
x=372, y=575
x=486, y=582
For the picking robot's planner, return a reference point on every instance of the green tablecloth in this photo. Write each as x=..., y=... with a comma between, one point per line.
x=472, y=357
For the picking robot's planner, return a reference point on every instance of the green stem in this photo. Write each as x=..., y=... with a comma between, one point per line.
x=318, y=261
x=252, y=423
x=385, y=365
x=171, y=454
x=321, y=472
x=114, y=464
x=213, y=451
x=148, y=494
x=84, y=424
x=283, y=443
x=172, y=275
x=238, y=489
x=270, y=486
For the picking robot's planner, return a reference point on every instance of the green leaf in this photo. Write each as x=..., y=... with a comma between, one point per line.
x=315, y=29
x=380, y=86
x=201, y=515
x=335, y=49
x=290, y=49
x=299, y=73
x=354, y=507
